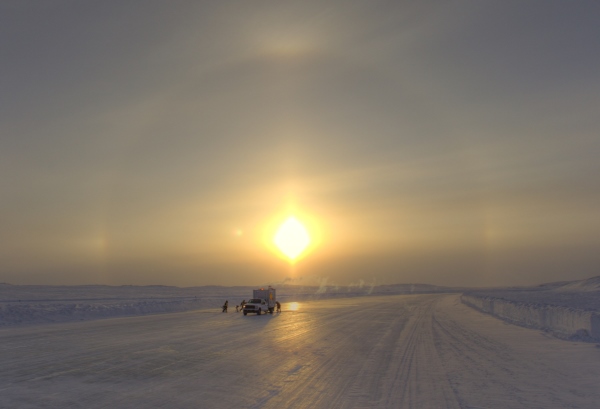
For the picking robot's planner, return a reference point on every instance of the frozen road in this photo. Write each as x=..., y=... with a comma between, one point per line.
x=418, y=351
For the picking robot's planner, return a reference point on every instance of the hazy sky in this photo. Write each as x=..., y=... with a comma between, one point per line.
x=157, y=142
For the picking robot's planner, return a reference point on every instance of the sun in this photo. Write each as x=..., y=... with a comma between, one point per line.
x=291, y=238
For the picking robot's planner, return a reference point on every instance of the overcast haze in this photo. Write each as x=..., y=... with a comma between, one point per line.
x=155, y=142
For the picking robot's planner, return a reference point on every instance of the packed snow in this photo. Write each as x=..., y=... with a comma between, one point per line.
x=567, y=309
x=409, y=351
x=409, y=346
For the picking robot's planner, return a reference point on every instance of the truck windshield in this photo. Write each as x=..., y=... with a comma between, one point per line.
x=255, y=301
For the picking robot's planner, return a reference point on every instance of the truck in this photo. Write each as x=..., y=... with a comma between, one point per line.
x=263, y=300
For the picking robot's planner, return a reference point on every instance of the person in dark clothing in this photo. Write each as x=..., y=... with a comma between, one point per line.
x=278, y=306
x=225, y=306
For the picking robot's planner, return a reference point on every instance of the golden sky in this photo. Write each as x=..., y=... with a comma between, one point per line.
x=453, y=143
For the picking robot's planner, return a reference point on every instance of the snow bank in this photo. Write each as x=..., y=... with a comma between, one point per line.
x=25, y=305
x=562, y=321
x=38, y=313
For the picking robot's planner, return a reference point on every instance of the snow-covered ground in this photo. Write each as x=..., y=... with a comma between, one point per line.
x=27, y=305
x=31, y=304
x=408, y=351
x=567, y=309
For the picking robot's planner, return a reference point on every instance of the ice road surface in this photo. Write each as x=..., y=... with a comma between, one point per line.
x=403, y=351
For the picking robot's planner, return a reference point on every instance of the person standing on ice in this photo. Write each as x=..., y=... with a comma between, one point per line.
x=278, y=306
x=225, y=306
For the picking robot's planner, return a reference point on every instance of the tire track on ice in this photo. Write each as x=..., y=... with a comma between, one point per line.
x=499, y=369
x=402, y=369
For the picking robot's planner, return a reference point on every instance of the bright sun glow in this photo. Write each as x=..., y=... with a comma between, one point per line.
x=291, y=238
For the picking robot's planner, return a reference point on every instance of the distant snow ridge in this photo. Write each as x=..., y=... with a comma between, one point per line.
x=569, y=310
x=590, y=284
x=38, y=313
x=35, y=304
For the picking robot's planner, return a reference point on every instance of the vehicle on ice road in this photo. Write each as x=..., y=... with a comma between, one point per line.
x=262, y=301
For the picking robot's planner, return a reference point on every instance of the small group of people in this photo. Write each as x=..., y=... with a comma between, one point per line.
x=240, y=307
